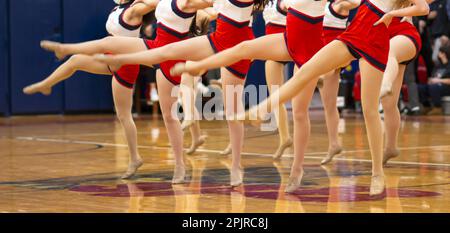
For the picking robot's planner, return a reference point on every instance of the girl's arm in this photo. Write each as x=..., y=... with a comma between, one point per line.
x=208, y=12
x=419, y=8
x=140, y=8
x=194, y=5
x=344, y=6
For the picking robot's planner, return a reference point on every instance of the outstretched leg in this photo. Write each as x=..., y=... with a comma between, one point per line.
x=330, y=57
x=109, y=44
x=191, y=49
x=270, y=47
x=65, y=71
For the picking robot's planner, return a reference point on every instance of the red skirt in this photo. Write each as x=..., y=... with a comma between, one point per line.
x=303, y=36
x=330, y=34
x=165, y=36
x=272, y=28
x=365, y=40
x=228, y=34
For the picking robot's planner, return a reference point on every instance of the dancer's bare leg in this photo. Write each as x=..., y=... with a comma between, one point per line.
x=392, y=117
x=329, y=93
x=401, y=49
x=302, y=128
x=109, y=44
x=274, y=79
x=191, y=117
x=371, y=79
x=233, y=89
x=173, y=126
x=270, y=47
x=330, y=57
x=65, y=71
x=191, y=49
x=123, y=101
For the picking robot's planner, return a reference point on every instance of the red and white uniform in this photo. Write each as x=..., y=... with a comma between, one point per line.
x=274, y=17
x=365, y=40
x=334, y=24
x=232, y=28
x=172, y=26
x=303, y=34
x=116, y=26
x=405, y=28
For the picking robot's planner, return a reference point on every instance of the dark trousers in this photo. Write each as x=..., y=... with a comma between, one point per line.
x=435, y=92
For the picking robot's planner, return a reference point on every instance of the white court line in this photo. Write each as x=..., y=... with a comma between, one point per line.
x=250, y=153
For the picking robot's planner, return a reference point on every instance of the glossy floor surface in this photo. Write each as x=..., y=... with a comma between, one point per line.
x=73, y=164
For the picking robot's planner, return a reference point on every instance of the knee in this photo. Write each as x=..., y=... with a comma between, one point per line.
x=300, y=116
x=371, y=113
x=243, y=47
x=74, y=61
x=124, y=117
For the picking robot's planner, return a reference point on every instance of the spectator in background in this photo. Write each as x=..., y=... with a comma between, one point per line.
x=439, y=23
x=426, y=51
x=439, y=84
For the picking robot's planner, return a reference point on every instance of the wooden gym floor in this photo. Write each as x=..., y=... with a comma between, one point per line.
x=72, y=164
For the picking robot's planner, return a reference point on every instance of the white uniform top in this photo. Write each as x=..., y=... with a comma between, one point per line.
x=312, y=8
x=274, y=14
x=116, y=26
x=236, y=10
x=168, y=14
x=384, y=5
x=332, y=19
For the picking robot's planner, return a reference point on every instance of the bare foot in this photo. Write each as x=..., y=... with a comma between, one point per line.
x=236, y=177
x=227, y=150
x=179, y=175
x=200, y=141
x=54, y=47
x=386, y=90
x=390, y=154
x=294, y=183
x=37, y=87
x=186, y=124
x=282, y=147
x=112, y=62
x=377, y=185
x=331, y=153
x=132, y=169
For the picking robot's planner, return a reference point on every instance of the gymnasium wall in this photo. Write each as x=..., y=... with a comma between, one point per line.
x=29, y=22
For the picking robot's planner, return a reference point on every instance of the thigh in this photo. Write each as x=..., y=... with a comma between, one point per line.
x=123, y=44
x=123, y=97
x=402, y=48
x=371, y=79
x=193, y=49
x=269, y=47
x=88, y=64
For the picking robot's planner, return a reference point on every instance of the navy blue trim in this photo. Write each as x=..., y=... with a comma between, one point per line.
x=146, y=45
x=211, y=42
x=169, y=79
x=179, y=12
x=236, y=73
x=281, y=11
x=357, y=53
x=289, y=51
x=121, y=80
x=125, y=24
x=307, y=18
x=173, y=32
x=241, y=4
x=232, y=22
x=334, y=13
x=275, y=25
x=374, y=8
x=333, y=28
